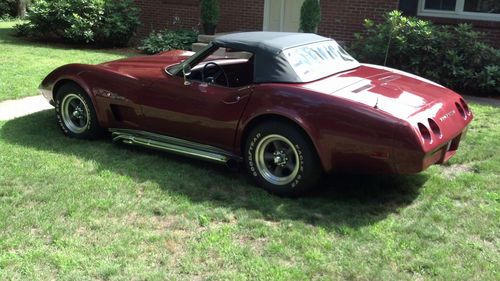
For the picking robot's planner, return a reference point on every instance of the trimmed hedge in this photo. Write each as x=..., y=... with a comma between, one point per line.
x=454, y=56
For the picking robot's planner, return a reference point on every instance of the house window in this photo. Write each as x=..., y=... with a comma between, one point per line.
x=462, y=9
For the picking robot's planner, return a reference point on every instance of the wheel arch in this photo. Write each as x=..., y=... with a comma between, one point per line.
x=65, y=81
x=274, y=117
x=80, y=84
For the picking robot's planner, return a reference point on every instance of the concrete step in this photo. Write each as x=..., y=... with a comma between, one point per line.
x=198, y=46
x=203, y=38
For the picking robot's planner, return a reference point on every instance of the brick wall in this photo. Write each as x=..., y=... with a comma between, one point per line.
x=160, y=14
x=490, y=28
x=242, y=15
x=340, y=18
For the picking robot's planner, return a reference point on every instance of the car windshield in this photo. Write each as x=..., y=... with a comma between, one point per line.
x=315, y=61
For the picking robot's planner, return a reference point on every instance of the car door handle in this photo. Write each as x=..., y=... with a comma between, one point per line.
x=235, y=99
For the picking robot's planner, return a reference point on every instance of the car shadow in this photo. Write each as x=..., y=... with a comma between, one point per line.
x=340, y=202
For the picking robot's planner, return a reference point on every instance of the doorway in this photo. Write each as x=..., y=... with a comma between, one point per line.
x=282, y=15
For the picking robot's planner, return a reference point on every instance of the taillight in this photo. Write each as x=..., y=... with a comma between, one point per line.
x=435, y=128
x=461, y=110
x=465, y=106
x=426, y=134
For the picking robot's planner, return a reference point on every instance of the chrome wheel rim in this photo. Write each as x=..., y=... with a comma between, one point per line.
x=75, y=113
x=277, y=160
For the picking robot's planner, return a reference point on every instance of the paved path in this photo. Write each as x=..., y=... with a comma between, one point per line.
x=485, y=101
x=11, y=109
x=16, y=108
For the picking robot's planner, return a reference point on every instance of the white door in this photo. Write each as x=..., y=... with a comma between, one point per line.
x=282, y=15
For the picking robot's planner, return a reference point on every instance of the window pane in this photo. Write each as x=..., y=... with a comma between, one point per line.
x=443, y=5
x=482, y=6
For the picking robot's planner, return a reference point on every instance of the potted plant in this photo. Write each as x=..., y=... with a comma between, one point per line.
x=310, y=16
x=209, y=15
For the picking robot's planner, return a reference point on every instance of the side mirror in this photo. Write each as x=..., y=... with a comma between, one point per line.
x=186, y=71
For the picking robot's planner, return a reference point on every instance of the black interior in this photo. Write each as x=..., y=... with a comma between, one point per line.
x=239, y=72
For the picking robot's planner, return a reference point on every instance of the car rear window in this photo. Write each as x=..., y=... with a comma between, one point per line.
x=315, y=61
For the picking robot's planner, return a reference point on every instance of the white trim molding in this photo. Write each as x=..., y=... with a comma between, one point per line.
x=458, y=13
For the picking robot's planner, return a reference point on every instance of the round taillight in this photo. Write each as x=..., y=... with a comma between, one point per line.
x=426, y=134
x=461, y=110
x=435, y=128
x=465, y=106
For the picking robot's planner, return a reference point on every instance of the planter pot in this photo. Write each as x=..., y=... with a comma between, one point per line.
x=209, y=29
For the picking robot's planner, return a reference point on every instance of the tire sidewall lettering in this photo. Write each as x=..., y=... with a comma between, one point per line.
x=60, y=121
x=256, y=174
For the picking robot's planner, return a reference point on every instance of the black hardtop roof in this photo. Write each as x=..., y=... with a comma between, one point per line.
x=264, y=41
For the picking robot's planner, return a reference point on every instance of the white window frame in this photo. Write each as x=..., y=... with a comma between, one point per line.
x=459, y=12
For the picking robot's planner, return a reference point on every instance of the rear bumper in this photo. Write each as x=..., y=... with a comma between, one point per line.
x=418, y=162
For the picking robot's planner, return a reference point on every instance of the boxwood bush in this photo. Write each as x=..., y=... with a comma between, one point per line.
x=165, y=40
x=108, y=22
x=454, y=56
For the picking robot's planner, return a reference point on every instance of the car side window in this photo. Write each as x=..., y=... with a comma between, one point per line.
x=225, y=67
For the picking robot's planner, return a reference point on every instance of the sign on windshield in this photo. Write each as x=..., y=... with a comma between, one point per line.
x=314, y=61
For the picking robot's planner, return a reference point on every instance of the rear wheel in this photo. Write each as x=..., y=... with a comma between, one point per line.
x=75, y=113
x=281, y=159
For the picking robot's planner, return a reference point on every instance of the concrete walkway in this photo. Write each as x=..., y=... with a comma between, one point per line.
x=16, y=108
x=484, y=101
x=11, y=109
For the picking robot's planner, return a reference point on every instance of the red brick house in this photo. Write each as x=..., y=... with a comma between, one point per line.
x=340, y=19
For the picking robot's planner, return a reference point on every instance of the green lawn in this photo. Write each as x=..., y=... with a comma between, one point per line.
x=72, y=210
x=24, y=64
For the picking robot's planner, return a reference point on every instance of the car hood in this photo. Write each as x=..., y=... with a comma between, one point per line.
x=396, y=92
x=146, y=67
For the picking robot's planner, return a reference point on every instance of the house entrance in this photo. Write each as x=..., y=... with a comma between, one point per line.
x=282, y=15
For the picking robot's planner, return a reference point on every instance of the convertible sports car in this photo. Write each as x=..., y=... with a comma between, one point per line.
x=291, y=106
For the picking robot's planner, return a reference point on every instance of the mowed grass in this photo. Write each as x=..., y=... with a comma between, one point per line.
x=24, y=64
x=72, y=209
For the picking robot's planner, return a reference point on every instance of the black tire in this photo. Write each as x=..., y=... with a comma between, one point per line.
x=75, y=113
x=281, y=159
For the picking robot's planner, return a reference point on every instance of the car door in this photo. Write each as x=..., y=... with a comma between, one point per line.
x=199, y=112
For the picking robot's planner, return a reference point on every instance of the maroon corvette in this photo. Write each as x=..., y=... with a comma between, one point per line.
x=291, y=106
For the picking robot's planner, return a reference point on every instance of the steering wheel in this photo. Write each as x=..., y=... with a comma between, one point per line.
x=216, y=74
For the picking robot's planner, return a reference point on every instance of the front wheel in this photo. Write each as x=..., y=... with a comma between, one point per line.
x=281, y=159
x=75, y=113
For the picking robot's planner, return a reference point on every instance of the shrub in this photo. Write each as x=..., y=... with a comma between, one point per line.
x=310, y=16
x=110, y=22
x=121, y=19
x=8, y=9
x=168, y=40
x=210, y=12
x=454, y=56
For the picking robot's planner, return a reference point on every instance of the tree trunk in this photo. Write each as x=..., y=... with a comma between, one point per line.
x=21, y=8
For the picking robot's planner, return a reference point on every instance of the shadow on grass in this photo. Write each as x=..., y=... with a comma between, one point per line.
x=342, y=201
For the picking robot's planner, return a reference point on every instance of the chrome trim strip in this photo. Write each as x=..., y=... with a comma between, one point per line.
x=174, y=145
